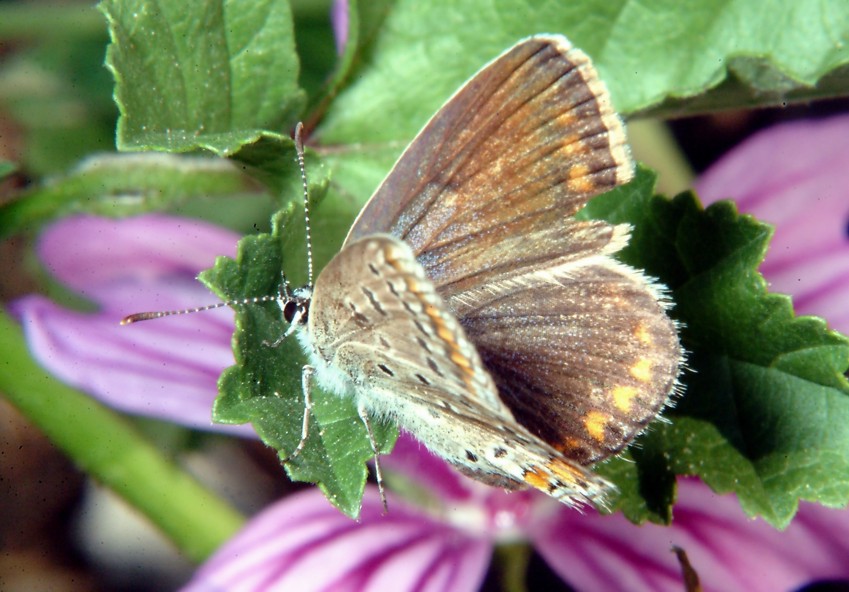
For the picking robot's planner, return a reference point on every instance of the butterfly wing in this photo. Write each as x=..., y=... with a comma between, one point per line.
x=580, y=347
x=379, y=330
x=583, y=354
x=516, y=151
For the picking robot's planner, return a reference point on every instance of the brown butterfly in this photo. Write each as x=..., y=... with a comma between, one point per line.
x=470, y=307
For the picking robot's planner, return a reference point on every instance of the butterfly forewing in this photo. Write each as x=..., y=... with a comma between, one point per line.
x=535, y=139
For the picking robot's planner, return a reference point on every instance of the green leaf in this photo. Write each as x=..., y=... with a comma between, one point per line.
x=425, y=51
x=214, y=75
x=765, y=407
x=264, y=387
x=121, y=185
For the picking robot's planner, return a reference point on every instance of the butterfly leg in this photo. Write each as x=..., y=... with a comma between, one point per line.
x=282, y=338
x=306, y=385
x=361, y=410
x=276, y=342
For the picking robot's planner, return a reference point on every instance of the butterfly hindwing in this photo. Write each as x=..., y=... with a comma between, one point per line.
x=584, y=355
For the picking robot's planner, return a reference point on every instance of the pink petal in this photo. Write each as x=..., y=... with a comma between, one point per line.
x=796, y=176
x=340, y=21
x=167, y=368
x=415, y=462
x=728, y=550
x=89, y=253
x=303, y=543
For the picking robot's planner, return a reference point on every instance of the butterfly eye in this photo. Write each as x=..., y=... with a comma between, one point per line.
x=290, y=310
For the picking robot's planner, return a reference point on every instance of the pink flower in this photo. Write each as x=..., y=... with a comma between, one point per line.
x=167, y=370
x=302, y=543
x=796, y=177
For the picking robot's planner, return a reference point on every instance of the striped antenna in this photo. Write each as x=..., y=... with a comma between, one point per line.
x=299, y=147
x=146, y=316
x=284, y=293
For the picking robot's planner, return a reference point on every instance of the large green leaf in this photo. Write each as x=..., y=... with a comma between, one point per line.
x=646, y=51
x=765, y=407
x=215, y=75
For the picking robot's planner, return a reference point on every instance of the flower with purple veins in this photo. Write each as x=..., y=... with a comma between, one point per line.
x=302, y=543
x=166, y=370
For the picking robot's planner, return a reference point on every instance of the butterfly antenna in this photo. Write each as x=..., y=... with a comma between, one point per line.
x=299, y=147
x=146, y=316
x=283, y=293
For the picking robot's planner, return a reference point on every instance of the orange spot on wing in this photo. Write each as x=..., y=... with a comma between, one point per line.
x=446, y=335
x=580, y=179
x=565, y=472
x=568, y=119
x=623, y=397
x=537, y=478
x=460, y=360
x=578, y=171
x=554, y=475
x=569, y=444
x=642, y=334
x=572, y=145
x=595, y=422
x=642, y=370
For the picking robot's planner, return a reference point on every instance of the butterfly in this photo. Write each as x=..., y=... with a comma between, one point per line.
x=469, y=306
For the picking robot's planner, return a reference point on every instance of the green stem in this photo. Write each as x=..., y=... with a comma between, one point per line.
x=109, y=448
x=511, y=560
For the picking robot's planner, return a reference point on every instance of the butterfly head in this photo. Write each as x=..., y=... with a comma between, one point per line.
x=295, y=306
